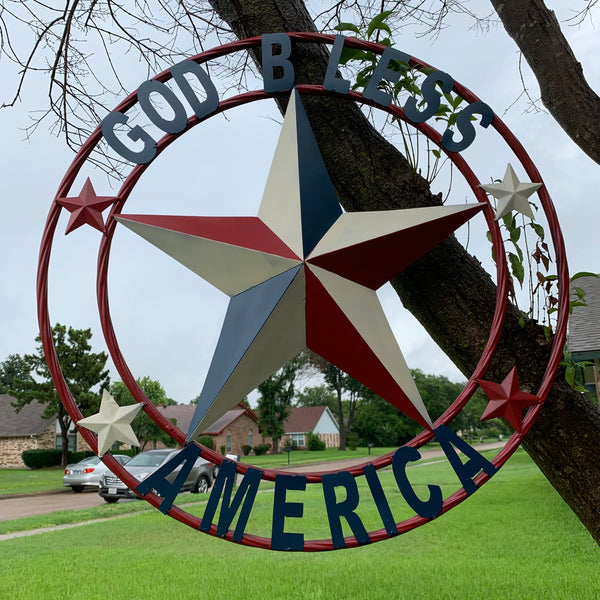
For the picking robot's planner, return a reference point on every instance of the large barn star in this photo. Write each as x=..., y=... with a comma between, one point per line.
x=302, y=274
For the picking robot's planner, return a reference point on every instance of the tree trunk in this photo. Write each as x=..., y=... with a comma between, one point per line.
x=447, y=289
x=563, y=87
x=64, y=422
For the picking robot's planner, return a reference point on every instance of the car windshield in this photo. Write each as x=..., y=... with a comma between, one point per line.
x=148, y=459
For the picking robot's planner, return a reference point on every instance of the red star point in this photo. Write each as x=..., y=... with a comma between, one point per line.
x=86, y=208
x=507, y=400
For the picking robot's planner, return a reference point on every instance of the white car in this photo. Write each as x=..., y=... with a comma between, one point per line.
x=87, y=473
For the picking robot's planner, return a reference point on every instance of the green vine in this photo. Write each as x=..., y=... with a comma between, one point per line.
x=409, y=84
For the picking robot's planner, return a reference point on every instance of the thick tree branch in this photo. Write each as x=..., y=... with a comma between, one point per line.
x=563, y=87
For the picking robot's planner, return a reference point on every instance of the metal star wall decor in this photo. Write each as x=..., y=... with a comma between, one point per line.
x=512, y=194
x=302, y=274
x=112, y=423
x=86, y=208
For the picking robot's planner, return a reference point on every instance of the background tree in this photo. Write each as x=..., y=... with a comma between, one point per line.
x=379, y=423
x=143, y=426
x=318, y=395
x=438, y=288
x=83, y=370
x=14, y=371
x=275, y=401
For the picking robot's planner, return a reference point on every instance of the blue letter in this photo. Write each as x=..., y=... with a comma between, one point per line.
x=211, y=103
x=380, y=500
x=270, y=61
x=229, y=508
x=430, y=95
x=343, y=509
x=381, y=72
x=145, y=155
x=331, y=81
x=448, y=439
x=159, y=479
x=465, y=127
x=178, y=122
x=427, y=509
x=280, y=540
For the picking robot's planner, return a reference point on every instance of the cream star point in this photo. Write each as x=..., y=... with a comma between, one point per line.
x=112, y=424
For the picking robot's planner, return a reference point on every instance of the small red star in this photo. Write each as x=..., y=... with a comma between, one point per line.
x=86, y=208
x=507, y=400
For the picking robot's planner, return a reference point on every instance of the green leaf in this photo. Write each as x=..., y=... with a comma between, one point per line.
x=347, y=27
x=539, y=230
x=516, y=267
x=378, y=23
x=515, y=235
x=438, y=154
x=456, y=102
x=582, y=274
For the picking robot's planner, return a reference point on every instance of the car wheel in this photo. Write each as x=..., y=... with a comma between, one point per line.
x=110, y=499
x=202, y=485
x=77, y=488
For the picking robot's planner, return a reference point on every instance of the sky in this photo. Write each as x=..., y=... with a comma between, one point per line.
x=168, y=320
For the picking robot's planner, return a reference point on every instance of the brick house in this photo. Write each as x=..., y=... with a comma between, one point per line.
x=238, y=426
x=584, y=333
x=23, y=430
x=318, y=419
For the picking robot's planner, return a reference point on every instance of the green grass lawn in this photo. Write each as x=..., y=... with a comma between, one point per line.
x=25, y=481
x=514, y=539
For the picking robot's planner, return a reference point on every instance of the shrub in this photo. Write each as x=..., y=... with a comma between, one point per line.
x=39, y=459
x=352, y=440
x=129, y=452
x=261, y=449
x=223, y=450
x=246, y=449
x=207, y=441
x=75, y=457
x=314, y=442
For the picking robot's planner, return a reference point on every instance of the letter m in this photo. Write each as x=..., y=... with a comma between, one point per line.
x=223, y=485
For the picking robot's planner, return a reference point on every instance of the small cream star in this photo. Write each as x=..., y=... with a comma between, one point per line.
x=512, y=194
x=112, y=423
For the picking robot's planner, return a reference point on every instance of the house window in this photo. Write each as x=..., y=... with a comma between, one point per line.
x=250, y=439
x=228, y=444
x=72, y=442
x=297, y=439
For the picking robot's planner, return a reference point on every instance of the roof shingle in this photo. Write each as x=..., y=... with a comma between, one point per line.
x=28, y=421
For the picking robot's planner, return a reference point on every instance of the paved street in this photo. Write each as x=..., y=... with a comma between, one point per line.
x=40, y=504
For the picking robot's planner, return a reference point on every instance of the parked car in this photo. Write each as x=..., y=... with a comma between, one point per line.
x=87, y=472
x=199, y=479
